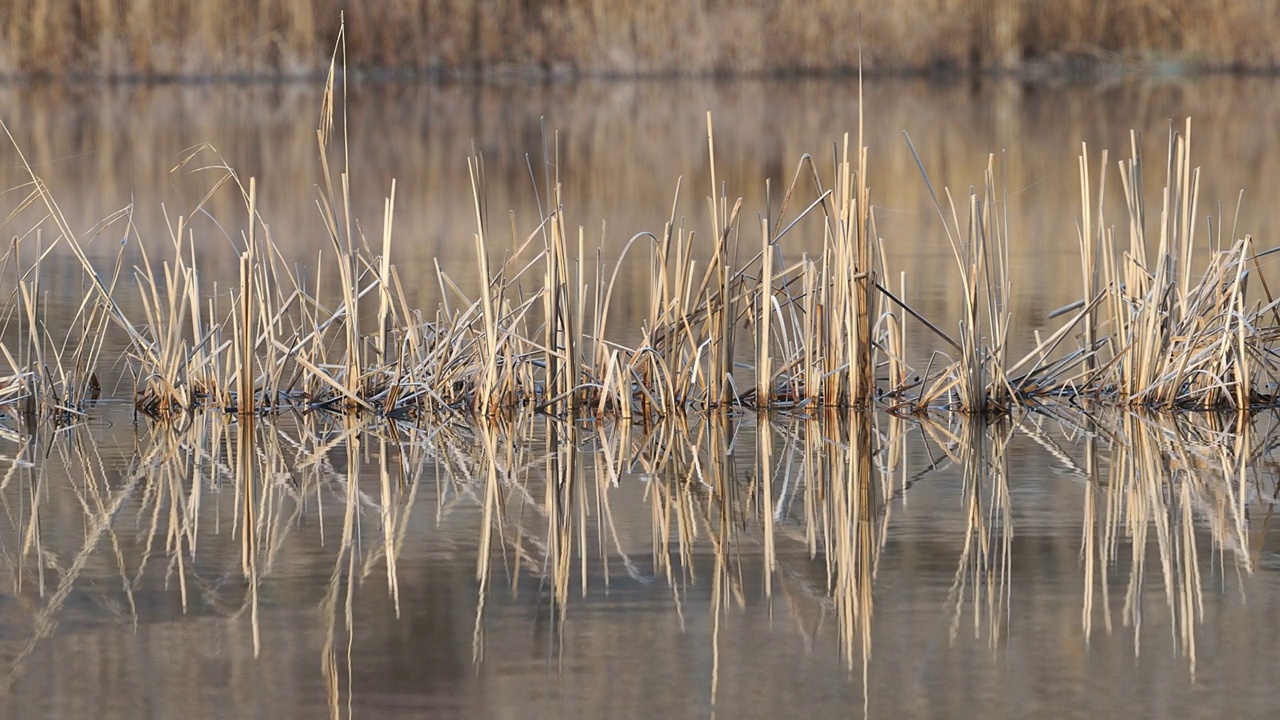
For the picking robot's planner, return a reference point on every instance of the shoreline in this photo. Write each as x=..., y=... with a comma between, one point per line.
x=284, y=39
x=1033, y=73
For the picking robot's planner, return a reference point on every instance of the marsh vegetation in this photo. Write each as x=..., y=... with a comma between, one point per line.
x=728, y=442
x=731, y=318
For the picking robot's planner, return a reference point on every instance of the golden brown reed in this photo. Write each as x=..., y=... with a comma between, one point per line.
x=105, y=146
x=820, y=328
x=536, y=333
x=295, y=37
x=1168, y=338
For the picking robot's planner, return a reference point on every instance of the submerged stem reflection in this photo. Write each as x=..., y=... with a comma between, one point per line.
x=796, y=517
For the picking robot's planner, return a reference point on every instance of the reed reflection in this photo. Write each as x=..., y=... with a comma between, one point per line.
x=224, y=515
x=1168, y=482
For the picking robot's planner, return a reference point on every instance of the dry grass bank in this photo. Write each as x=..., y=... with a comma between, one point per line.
x=642, y=37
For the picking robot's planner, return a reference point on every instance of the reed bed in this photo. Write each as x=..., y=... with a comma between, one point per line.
x=728, y=321
x=291, y=37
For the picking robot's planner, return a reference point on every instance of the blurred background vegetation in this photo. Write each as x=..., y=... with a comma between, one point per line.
x=289, y=38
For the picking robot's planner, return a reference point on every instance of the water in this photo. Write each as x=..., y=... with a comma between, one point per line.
x=1024, y=629
x=1010, y=570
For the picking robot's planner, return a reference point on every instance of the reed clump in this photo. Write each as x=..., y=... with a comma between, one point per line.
x=1158, y=333
x=145, y=38
x=728, y=321
x=765, y=331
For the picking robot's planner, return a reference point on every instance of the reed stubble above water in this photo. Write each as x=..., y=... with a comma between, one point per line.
x=730, y=320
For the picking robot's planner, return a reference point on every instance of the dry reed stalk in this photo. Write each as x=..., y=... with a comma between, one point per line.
x=821, y=327
x=564, y=305
x=720, y=308
x=335, y=205
x=980, y=247
x=1174, y=343
x=1090, y=248
x=384, y=278
x=488, y=361
x=246, y=347
x=764, y=360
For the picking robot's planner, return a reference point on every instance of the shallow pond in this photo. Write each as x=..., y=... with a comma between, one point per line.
x=1064, y=565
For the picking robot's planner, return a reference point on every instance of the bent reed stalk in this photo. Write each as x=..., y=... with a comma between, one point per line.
x=1146, y=334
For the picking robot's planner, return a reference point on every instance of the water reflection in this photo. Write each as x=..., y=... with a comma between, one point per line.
x=316, y=562
x=1166, y=479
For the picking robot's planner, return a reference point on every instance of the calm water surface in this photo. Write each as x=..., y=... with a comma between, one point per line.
x=1055, y=566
